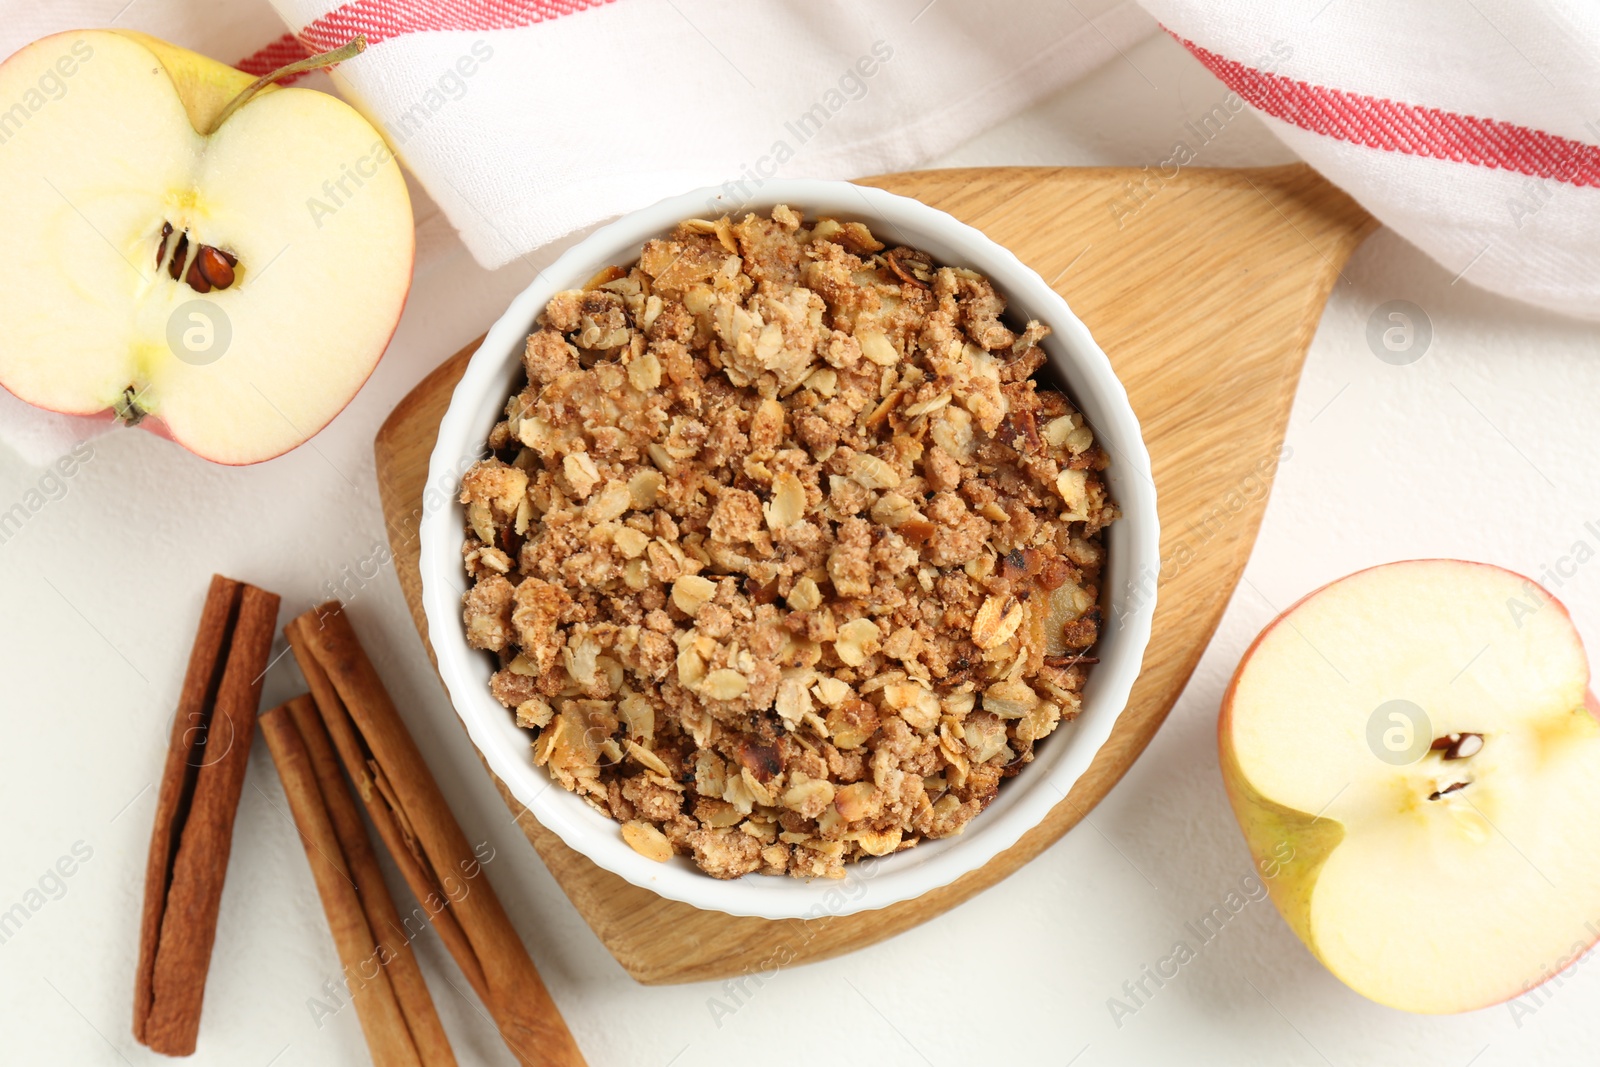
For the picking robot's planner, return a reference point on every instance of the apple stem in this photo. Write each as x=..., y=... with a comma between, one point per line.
x=350, y=50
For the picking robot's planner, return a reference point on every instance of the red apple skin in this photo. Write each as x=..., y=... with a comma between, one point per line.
x=1291, y=889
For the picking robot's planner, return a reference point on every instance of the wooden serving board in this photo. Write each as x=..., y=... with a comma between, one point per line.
x=1204, y=290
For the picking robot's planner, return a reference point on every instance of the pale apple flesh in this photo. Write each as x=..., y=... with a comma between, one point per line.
x=1437, y=885
x=113, y=155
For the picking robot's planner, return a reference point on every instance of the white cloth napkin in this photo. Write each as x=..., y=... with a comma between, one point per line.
x=529, y=119
x=1471, y=128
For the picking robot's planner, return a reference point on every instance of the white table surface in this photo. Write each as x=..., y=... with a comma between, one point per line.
x=1482, y=449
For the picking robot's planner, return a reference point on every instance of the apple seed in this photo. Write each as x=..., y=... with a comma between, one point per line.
x=1458, y=746
x=211, y=268
x=215, y=266
x=1447, y=790
x=180, y=253
x=197, y=281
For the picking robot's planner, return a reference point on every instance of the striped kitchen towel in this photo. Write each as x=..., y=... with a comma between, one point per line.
x=1471, y=127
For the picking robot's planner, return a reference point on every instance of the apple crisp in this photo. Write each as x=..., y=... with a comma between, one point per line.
x=785, y=558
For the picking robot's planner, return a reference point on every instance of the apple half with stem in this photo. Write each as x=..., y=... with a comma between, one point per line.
x=1420, y=738
x=205, y=254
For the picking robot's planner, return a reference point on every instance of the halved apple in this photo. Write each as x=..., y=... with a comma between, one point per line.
x=234, y=273
x=1419, y=738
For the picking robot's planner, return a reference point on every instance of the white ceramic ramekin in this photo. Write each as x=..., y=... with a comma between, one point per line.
x=1132, y=544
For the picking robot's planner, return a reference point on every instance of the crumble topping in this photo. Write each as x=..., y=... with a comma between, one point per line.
x=785, y=558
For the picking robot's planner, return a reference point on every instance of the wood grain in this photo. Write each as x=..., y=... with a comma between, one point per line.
x=1204, y=290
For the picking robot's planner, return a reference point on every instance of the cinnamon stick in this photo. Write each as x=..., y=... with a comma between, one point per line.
x=207, y=754
x=383, y=1022
x=391, y=933
x=427, y=843
x=397, y=838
